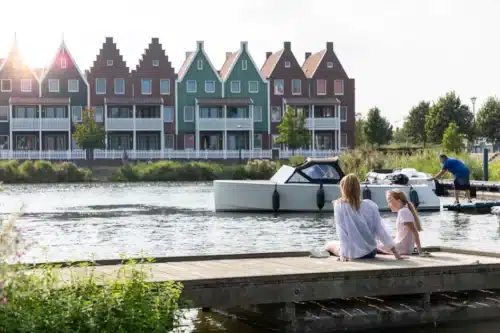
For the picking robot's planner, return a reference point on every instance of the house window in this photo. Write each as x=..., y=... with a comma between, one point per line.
x=53, y=85
x=343, y=113
x=26, y=85
x=6, y=85
x=296, y=87
x=343, y=140
x=244, y=65
x=4, y=142
x=275, y=145
x=257, y=141
x=146, y=86
x=165, y=86
x=288, y=64
x=109, y=63
x=257, y=113
x=253, y=87
x=63, y=63
x=73, y=85
x=209, y=86
x=189, y=141
x=119, y=86
x=4, y=113
x=279, y=87
x=191, y=86
x=188, y=114
x=76, y=113
x=199, y=64
x=169, y=141
x=99, y=114
x=100, y=86
x=275, y=114
x=168, y=114
x=156, y=63
x=338, y=87
x=235, y=86
x=321, y=87
x=329, y=64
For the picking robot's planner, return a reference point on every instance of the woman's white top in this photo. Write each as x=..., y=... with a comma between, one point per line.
x=359, y=230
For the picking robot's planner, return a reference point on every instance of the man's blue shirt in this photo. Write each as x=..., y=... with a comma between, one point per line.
x=456, y=167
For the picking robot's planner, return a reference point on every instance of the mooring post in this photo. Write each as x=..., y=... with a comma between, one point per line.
x=485, y=164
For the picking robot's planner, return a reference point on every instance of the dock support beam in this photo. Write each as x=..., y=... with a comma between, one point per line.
x=485, y=164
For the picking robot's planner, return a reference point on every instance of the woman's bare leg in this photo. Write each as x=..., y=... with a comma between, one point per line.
x=333, y=248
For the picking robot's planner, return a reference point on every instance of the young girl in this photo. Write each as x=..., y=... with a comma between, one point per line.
x=407, y=224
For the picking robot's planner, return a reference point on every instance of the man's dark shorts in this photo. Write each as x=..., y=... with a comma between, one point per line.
x=462, y=183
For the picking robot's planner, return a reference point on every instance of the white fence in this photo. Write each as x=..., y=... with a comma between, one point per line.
x=79, y=154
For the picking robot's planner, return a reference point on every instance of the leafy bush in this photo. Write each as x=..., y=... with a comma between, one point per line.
x=42, y=172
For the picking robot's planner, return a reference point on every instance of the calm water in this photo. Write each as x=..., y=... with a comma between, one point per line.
x=104, y=221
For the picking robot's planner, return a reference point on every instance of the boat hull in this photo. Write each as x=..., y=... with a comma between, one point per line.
x=257, y=196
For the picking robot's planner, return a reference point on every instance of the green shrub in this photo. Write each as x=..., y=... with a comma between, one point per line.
x=46, y=300
x=42, y=172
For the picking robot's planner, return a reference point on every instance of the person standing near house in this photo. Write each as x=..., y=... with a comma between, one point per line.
x=461, y=173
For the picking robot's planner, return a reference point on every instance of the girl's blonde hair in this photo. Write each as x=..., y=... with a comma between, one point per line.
x=350, y=190
x=400, y=195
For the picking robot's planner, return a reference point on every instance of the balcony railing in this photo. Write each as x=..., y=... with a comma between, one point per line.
x=329, y=123
x=230, y=124
x=119, y=124
x=148, y=124
x=25, y=124
x=55, y=124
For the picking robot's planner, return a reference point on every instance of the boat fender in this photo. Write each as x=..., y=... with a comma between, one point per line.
x=276, y=199
x=367, y=193
x=320, y=197
x=414, y=197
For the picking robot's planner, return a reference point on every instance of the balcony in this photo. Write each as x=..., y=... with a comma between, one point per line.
x=148, y=124
x=55, y=124
x=328, y=123
x=230, y=124
x=119, y=124
x=25, y=124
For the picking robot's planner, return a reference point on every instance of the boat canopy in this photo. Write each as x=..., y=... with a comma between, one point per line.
x=312, y=170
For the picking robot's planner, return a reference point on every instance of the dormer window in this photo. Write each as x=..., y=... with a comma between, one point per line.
x=288, y=64
x=109, y=63
x=156, y=63
x=329, y=64
x=63, y=62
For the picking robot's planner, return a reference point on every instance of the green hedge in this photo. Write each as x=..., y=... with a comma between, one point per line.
x=42, y=172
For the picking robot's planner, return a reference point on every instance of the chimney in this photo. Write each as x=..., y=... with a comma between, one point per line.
x=244, y=45
x=199, y=45
x=329, y=46
x=287, y=46
x=268, y=54
x=228, y=54
x=155, y=40
x=308, y=54
x=188, y=53
x=109, y=39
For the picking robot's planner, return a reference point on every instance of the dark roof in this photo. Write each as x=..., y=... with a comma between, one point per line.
x=316, y=101
x=133, y=100
x=40, y=100
x=225, y=101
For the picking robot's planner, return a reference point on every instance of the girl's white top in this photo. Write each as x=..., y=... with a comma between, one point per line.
x=359, y=230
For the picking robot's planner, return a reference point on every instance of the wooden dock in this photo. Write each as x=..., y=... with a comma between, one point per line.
x=231, y=280
x=476, y=185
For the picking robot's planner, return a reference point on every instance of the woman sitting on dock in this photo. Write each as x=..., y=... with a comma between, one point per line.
x=358, y=224
x=408, y=224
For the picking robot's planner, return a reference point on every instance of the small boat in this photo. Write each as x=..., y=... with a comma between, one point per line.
x=403, y=176
x=308, y=187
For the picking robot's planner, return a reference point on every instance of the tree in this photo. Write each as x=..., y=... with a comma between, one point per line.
x=88, y=134
x=292, y=130
x=448, y=109
x=377, y=129
x=488, y=120
x=400, y=135
x=359, y=136
x=414, y=124
x=453, y=141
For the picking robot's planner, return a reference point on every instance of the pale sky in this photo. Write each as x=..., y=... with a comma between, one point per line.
x=399, y=51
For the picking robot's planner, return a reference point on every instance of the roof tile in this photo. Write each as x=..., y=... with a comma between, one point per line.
x=270, y=63
x=311, y=64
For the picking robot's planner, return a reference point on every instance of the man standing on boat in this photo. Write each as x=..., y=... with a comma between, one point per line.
x=461, y=173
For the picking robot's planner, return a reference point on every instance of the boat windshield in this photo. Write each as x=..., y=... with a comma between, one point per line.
x=316, y=172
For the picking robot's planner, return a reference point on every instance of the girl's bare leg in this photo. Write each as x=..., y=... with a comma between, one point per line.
x=333, y=248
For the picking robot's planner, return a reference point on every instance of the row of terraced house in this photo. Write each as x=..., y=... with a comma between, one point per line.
x=154, y=112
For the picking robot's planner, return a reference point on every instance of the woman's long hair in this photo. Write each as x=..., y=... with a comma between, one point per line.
x=350, y=190
x=400, y=195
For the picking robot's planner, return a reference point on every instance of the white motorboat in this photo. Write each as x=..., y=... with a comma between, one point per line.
x=404, y=176
x=309, y=187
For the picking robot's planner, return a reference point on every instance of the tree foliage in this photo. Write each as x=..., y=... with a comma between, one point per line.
x=292, y=129
x=400, y=135
x=449, y=109
x=359, y=136
x=488, y=120
x=377, y=129
x=89, y=134
x=453, y=141
x=414, y=124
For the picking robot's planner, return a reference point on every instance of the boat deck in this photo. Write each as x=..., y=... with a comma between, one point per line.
x=229, y=280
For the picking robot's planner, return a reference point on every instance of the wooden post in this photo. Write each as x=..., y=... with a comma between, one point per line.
x=485, y=164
